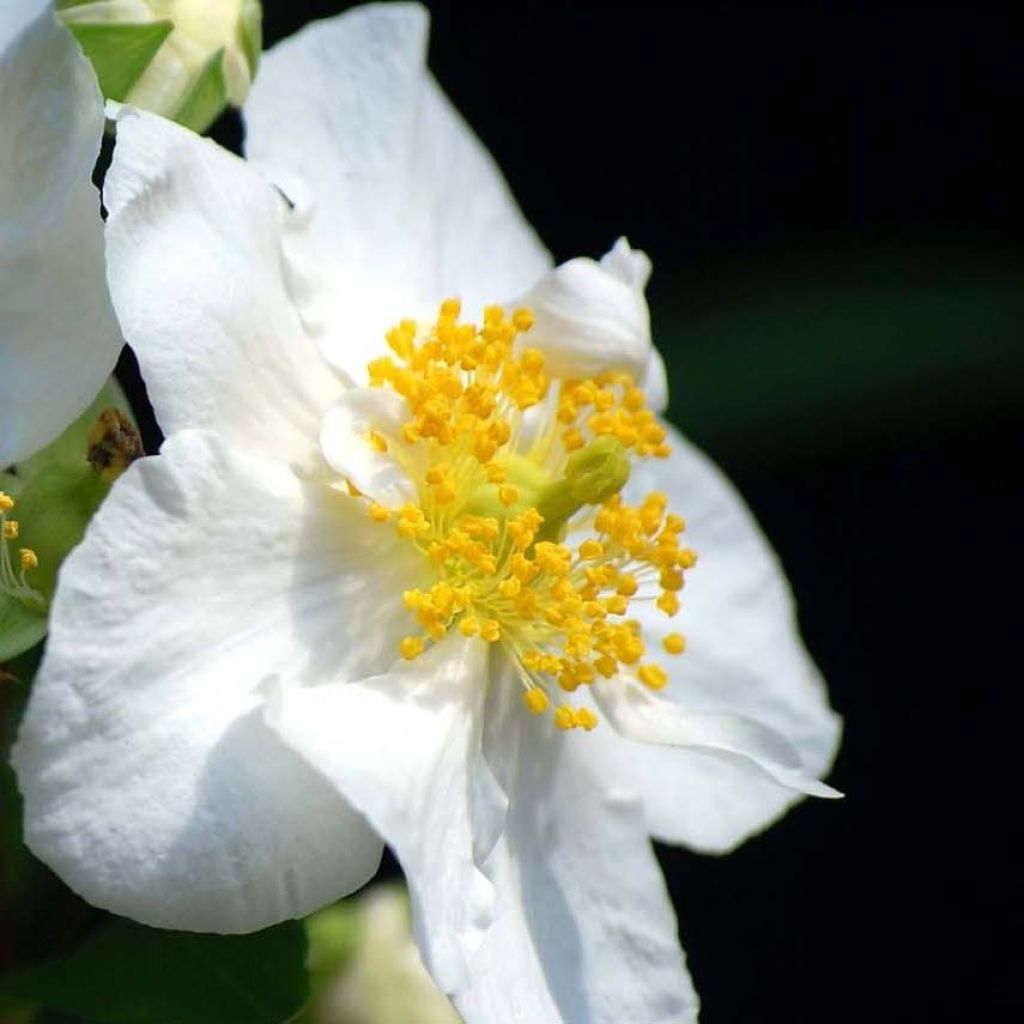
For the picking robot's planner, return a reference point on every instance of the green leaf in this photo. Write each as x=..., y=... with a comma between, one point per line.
x=125, y=973
x=57, y=493
x=21, y=628
x=60, y=492
x=207, y=97
x=120, y=53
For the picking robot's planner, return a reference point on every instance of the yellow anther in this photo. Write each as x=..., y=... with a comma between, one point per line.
x=687, y=558
x=6, y=502
x=469, y=626
x=28, y=559
x=445, y=493
x=411, y=647
x=533, y=361
x=671, y=579
x=653, y=676
x=565, y=718
x=674, y=643
x=378, y=441
x=450, y=309
x=591, y=550
x=607, y=666
x=627, y=585
x=634, y=399
x=510, y=587
x=11, y=529
x=378, y=513
x=490, y=630
x=572, y=440
x=586, y=718
x=508, y=495
x=536, y=700
x=523, y=320
x=668, y=602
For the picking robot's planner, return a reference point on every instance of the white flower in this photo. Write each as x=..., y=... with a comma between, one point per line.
x=58, y=336
x=223, y=732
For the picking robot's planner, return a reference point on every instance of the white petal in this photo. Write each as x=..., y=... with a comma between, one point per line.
x=639, y=715
x=592, y=317
x=655, y=382
x=744, y=657
x=403, y=747
x=194, y=246
x=58, y=336
x=151, y=783
x=584, y=930
x=405, y=205
x=344, y=440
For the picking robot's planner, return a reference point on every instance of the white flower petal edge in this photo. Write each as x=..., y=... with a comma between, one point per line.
x=404, y=204
x=584, y=930
x=637, y=714
x=591, y=316
x=195, y=242
x=744, y=658
x=151, y=782
x=405, y=747
x=344, y=439
x=58, y=336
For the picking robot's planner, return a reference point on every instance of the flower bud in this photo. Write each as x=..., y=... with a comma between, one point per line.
x=185, y=59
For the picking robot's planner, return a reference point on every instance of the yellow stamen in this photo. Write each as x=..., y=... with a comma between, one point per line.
x=499, y=500
x=674, y=643
x=13, y=580
x=536, y=700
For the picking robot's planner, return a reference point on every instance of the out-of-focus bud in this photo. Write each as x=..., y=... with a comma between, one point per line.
x=185, y=59
x=365, y=967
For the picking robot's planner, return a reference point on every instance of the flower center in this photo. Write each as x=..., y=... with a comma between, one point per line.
x=13, y=580
x=519, y=509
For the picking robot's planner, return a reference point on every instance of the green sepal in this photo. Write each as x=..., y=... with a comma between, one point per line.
x=120, y=53
x=250, y=33
x=125, y=973
x=207, y=97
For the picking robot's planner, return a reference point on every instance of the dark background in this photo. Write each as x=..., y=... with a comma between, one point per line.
x=833, y=206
